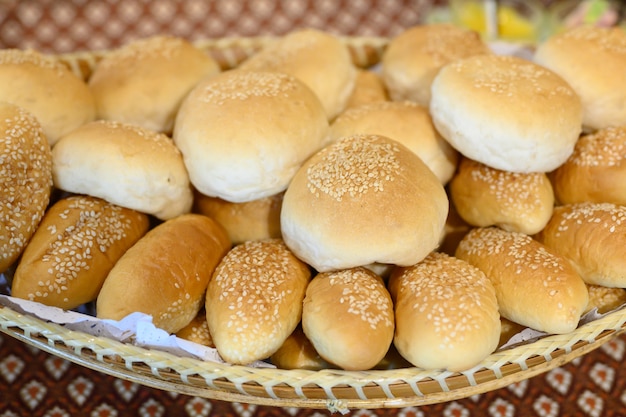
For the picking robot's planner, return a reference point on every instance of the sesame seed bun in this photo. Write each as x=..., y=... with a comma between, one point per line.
x=145, y=81
x=592, y=236
x=318, y=59
x=535, y=286
x=348, y=317
x=407, y=122
x=414, y=57
x=197, y=331
x=605, y=299
x=446, y=313
x=126, y=165
x=166, y=273
x=514, y=201
x=254, y=300
x=46, y=88
x=596, y=171
x=77, y=243
x=25, y=180
x=368, y=88
x=362, y=200
x=591, y=60
x=244, y=134
x=506, y=112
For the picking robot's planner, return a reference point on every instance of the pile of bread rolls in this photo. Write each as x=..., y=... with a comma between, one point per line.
x=300, y=210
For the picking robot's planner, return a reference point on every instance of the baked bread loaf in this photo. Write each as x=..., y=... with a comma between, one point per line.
x=254, y=300
x=166, y=273
x=413, y=58
x=368, y=88
x=506, y=112
x=446, y=313
x=348, y=317
x=596, y=171
x=59, y=100
x=317, y=58
x=244, y=134
x=145, y=81
x=535, y=286
x=408, y=123
x=592, y=60
x=127, y=165
x=362, y=200
x=514, y=201
x=197, y=331
x=297, y=352
x=592, y=236
x=75, y=247
x=25, y=180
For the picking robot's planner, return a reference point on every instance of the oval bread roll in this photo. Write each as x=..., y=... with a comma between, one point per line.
x=254, y=300
x=368, y=88
x=197, y=331
x=534, y=286
x=75, y=247
x=166, y=273
x=297, y=352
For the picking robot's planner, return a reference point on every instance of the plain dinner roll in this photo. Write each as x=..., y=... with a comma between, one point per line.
x=414, y=57
x=244, y=134
x=145, y=81
x=506, y=112
x=58, y=99
x=25, y=180
x=368, y=88
x=446, y=313
x=126, y=165
x=297, y=352
x=362, y=200
x=318, y=59
x=407, y=122
x=592, y=60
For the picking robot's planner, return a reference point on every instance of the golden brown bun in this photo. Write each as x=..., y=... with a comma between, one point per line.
x=535, y=286
x=591, y=60
x=508, y=330
x=355, y=202
x=506, y=112
x=254, y=300
x=593, y=237
x=408, y=123
x=596, y=171
x=605, y=299
x=348, y=317
x=297, y=352
x=46, y=88
x=454, y=230
x=253, y=220
x=318, y=59
x=414, y=57
x=368, y=88
x=197, y=331
x=244, y=134
x=165, y=274
x=446, y=313
x=126, y=165
x=514, y=201
x=76, y=245
x=144, y=82
x=25, y=180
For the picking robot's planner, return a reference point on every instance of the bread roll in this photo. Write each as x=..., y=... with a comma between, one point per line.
x=364, y=199
x=254, y=300
x=253, y=220
x=596, y=171
x=408, y=123
x=592, y=236
x=506, y=112
x=76, y=245
x=348, y=317
x=197, y=331
x=126, y=165
x=368, y=88
x=591, y=60
x=317, y=58
x=446, y=313
x=297, y=352
x=166, y=273
x=58, y=99
x=25, y=180
x=514, y=201
x=244, y=134
x=413, y=58
x=144, y=82
x=535, y=287
x=605, y=299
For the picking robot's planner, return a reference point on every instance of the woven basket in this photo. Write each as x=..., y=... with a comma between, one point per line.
x=334, y=390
